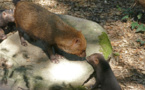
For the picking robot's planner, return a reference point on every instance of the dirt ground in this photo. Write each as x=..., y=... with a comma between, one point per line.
x=128, y=62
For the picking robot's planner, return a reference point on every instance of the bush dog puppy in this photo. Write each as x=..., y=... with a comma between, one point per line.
x=6, y=16
x=102, y=72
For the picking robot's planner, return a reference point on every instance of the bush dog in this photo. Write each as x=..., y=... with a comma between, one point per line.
x=102, y=72
x=41, y=24
x=6, y=16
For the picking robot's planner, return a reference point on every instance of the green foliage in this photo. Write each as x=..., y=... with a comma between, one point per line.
x=125, y=17
x=141, y=42
x=130, y=12
x=139, y=16
x=105, y=44
x=134, y=24
x=116, y=54
x=127, y=12
x=118, y=7
x=140, y=28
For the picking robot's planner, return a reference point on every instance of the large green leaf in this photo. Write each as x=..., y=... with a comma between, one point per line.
x=140, y=28
x=134, y=24
x=125, y=17
x=139, y=15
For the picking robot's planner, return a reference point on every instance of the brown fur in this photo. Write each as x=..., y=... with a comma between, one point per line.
x=42, y=24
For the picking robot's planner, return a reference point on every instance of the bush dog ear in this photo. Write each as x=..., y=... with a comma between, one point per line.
x=96, y=61
x=4, y=14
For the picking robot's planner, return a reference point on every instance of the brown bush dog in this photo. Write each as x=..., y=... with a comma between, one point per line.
x=39, y=23
x=6, y=16
x=102, y=72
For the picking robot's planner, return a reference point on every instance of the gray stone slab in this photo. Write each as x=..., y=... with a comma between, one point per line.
x=31, y=68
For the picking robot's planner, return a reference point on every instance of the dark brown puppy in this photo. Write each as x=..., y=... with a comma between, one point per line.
x=39, y=23
x=103, y=73
x=6, y=16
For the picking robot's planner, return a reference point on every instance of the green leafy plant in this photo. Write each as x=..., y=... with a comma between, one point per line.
x=125, y=17
x=139, y=27
x=116, y=53
x=141, y=42
x=127, y=12
x=139, y=16
x=118, y=7
x=134, y=25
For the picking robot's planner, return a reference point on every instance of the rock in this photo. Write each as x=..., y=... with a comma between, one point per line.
x=32, y=69
x=97, y=39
